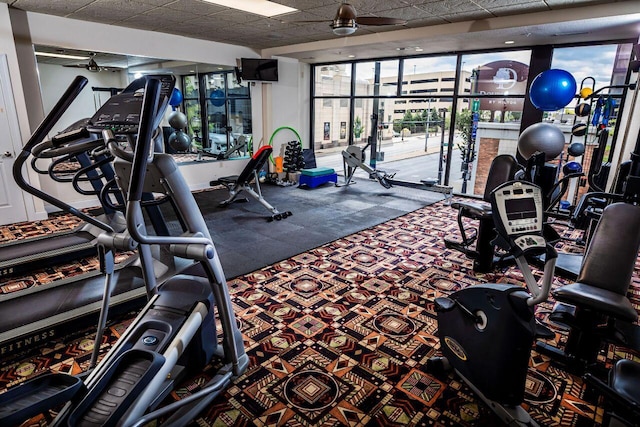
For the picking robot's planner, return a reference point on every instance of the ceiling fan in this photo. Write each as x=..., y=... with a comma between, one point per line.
x=346, y=20
x=92, y=65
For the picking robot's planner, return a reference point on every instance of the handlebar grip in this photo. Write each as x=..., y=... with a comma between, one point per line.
x=74, y=135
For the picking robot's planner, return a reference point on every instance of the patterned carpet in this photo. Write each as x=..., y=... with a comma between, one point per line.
x=340, y=335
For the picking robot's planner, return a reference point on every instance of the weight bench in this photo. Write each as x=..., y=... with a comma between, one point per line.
x=248, y=177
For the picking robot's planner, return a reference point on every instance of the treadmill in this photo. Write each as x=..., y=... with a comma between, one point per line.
x=22, y=256
x=34, y=316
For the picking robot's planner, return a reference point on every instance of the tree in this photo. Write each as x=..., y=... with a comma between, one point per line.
x=357, y=127
x=463, y=125
x=407, y=120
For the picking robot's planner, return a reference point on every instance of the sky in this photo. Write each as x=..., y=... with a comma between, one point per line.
x=599, y=64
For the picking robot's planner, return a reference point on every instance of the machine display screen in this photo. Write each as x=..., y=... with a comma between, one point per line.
x=520, y=208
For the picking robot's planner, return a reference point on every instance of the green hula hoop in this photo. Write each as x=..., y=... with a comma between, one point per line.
x=273, y=162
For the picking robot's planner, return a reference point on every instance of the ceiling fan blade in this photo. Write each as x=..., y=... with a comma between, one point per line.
x=76, y=66
x=374, y=20
x=319, y=21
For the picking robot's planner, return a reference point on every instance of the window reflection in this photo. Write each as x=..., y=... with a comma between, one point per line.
x=220, y=113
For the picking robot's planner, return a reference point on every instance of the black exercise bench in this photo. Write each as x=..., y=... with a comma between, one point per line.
x=247, y=179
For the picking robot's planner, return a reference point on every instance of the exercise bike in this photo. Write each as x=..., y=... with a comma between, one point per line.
x=487, y=331
x=176, y=331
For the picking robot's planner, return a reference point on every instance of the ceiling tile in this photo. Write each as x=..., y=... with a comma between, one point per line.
x=375, y=6
x=490, y=4
x=157, y=2
x=59, y=8
x=426, y=22
x=110, y=11
x=518, y=8
x=163, y=18
x=449, y=7
x=236, y=16
x=306, y=4
x=407, y=13
x=143, y=22
x=468, y=16
x=197, y=7
x=197, y=19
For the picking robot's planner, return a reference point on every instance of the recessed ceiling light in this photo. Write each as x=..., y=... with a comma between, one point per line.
x=61, y=55
x=509, y=42
x=351, y=56
x=259, y=7
x=419, y=49
x=400, y=48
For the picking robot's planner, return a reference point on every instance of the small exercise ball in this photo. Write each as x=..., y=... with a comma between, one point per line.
x=571, y=167
x=177, y=120
x=552, y=90
x=585, y=92
x=583, y=109
x=541, y=138
x=576, y=149
x=176, y=97
x=179, y=141
x=579, y=129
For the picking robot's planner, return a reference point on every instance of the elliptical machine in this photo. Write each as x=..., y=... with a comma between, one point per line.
x=176, y=331
x=487, y=331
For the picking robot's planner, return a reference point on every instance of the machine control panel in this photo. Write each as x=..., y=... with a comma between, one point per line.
x=518, y=209
x=121, y=112
x=529, y=241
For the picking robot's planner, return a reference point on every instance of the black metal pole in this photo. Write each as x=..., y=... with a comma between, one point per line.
x=374, y=116
x=143, y=144
x=440, y=163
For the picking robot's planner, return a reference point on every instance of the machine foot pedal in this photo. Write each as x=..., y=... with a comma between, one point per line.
x=118, y=388
x=36, y=396
x=543, y=332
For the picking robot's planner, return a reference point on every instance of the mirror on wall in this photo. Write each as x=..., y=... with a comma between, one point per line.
x=217, y=124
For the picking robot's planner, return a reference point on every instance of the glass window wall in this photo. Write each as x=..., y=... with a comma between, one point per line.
x=481, y=96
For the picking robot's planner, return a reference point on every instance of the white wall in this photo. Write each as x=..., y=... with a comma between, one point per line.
x=73, y=34
x=35, y=207
x=54, y=80
x=289, y=100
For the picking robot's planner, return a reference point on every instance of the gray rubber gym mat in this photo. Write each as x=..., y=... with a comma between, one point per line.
x=246, y=241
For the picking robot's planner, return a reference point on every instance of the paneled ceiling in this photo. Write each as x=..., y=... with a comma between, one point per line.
x=316, y=42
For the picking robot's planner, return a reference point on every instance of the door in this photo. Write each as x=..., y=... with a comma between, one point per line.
x=12, y=205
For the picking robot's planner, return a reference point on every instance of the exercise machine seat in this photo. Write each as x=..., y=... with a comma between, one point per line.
x=624, y=378
x=503, y=168
x=243, y=182
x=256, y=163
x=608, y=265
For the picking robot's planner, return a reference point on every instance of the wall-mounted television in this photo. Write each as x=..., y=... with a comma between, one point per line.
x=257, y=69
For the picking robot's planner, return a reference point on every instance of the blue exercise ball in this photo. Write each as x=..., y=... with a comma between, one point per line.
x=176, y=97
x=571, y=167
x=552, y=90
x=217, y=97
x=576, y=149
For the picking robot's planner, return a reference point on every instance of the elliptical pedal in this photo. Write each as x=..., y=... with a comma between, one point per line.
x=117, y=389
